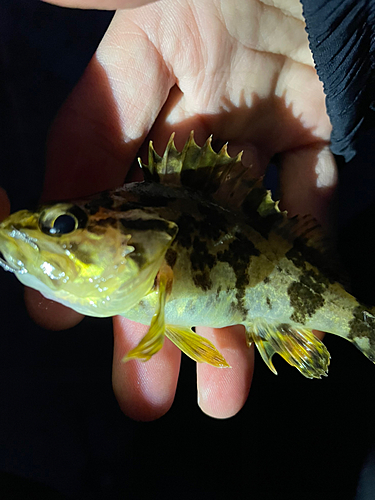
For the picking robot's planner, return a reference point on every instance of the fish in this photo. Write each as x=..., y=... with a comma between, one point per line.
x=199, y=242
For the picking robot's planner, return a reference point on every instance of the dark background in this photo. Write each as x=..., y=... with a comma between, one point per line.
x=62, y=434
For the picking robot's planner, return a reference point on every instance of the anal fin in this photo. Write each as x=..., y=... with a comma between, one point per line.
x=298, y=346
x=196, y=347
x=265, y=350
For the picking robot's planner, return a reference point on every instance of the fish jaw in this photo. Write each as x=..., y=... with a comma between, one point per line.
x=11, y=259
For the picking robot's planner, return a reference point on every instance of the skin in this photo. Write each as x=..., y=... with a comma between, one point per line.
x=241, y=70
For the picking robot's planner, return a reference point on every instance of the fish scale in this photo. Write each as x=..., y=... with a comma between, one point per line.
x=199, y=242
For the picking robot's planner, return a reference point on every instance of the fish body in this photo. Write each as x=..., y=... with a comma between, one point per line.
x=199, y=242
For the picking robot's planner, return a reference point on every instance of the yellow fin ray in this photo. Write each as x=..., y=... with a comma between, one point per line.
x=196, y=347
x=153, y=341
x=266, y=351
x=298, y=346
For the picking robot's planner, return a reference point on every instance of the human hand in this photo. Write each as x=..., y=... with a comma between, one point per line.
x=241, y=70
x=4, y=204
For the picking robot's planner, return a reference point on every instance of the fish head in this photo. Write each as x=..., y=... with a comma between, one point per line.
x=99, y=264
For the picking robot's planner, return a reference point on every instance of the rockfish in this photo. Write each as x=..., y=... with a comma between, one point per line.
x=199, y=242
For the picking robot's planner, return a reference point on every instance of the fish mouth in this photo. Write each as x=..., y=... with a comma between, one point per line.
x=11, y=266
x=10, y=237
x=7, y=267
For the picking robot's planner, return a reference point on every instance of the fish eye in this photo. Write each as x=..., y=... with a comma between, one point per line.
x=62, y=219
x=63, y=224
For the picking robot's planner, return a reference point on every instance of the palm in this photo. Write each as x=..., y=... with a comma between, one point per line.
x=238, y=69
x=235, y=77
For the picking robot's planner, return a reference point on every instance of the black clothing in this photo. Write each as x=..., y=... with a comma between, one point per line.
x=341, y=35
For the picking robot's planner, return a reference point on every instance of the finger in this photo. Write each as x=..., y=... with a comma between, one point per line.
x=100, y=4
x=4, y=204
x=145, y=391
x=308, y=182
x=49, y=314
x=223, y=392
x=319, y=334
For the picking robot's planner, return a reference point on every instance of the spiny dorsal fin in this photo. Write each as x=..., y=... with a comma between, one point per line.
x=228, y=183
x=195, y=167
x=225, y=179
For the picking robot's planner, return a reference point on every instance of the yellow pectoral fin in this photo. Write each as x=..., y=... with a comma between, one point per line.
x=195, y=346
x=153, y=341
x=298, y=346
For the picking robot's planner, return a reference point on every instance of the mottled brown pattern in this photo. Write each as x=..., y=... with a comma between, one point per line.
x=304, y=301
x=307, y=294
x=361, y=326
x=202, y=261
x=238, y=256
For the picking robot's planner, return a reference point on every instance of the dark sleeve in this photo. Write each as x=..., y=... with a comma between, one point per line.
x=341, y=35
